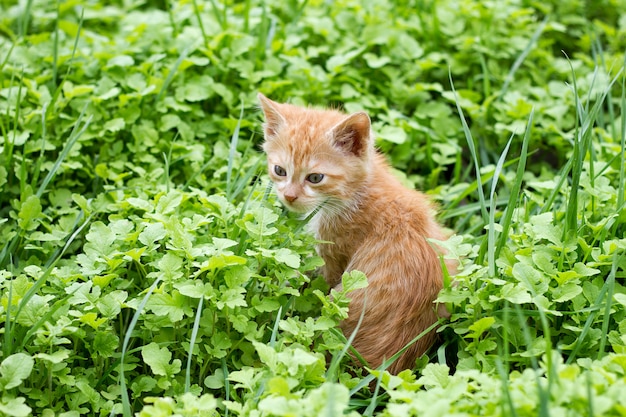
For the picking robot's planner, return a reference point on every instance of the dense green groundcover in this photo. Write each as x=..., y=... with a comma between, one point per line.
x=147, y=269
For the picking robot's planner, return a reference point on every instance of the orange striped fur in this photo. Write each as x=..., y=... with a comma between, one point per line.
x=377, y=225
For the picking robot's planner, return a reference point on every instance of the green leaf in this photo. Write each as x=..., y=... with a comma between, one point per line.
x=115, y=125
x=121, y=61
x=195, y=289
x=57, y=357
x=232, y=297
x=215, y=381
x=288, y=257
x=533, y=280
x=435, y=375
x=158, y=359
x=392, y=134
x=29, y=213
x=168, y=203
x=14, y=369
x=14, y=407
x=172, y=306
x=3, y=176
x=515, y=293
x=151, y=233
x=353, y=280
x=170, y=266
x=480, y=326
x=237, y=276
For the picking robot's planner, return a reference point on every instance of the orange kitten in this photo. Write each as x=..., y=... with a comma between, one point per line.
x=327, y=159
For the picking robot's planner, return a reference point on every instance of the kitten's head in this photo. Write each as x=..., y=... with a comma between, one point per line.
x=316, y=157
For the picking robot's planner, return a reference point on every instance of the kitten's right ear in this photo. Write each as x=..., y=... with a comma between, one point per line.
x=353, y=134
x=274, y=120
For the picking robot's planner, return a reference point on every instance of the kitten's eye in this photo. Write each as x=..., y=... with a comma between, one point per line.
x=280, y=171
x=315, y=178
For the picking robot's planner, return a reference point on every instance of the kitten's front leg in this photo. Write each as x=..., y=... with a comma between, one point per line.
x=334, y=265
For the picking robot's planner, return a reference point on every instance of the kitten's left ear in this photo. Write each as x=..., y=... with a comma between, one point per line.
x=274, y=120
x=352, y=135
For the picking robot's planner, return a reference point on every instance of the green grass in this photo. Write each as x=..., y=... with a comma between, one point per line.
x=147, y=269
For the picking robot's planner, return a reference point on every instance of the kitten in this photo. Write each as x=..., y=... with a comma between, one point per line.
x=327, y=159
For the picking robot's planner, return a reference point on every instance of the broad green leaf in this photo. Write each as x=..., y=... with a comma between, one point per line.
x=353, y=280
x=481, y=326
x=29, y=213
x=3, y=176
x=566, y=292
x=267, y=354
x=515, y=293
x=110, y=305
x=105, y=343
x=14, y=369
x=392, y=134
x=15, y=407
x=232, y=297
x=57, y=357
x=101, y=238
x=151, y=233
x=121, y=61
x=288, y=257
x=435, y=375
x=171, y=266
x=215, y=381
x=168, y=203
x=195, y=289
x=92, y=320
x=534, y=281
x=159, y=360
x=237, y=276
x=172, y=306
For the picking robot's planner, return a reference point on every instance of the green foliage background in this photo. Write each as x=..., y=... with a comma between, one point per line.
x=146, y=268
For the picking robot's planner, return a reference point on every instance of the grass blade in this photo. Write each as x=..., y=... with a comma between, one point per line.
x=472, y=148
x=507, y=217
x=192, y=343
x=491, y=231
x=129, y=331
x=231, y=156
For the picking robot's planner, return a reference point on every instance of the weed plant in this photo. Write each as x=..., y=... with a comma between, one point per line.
x=147, y=269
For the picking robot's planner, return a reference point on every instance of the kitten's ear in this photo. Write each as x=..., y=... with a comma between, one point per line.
x=352, y=135
x=274, y=120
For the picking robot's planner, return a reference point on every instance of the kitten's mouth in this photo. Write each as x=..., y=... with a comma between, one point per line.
x=297, y=207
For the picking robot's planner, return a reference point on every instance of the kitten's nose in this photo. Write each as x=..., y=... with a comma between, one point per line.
x=290, y=198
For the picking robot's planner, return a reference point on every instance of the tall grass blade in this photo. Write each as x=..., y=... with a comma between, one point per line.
x=507, y=217
x=196, y=11
x=192, y=343
x=520, y=59
x=610, y=290
x=491, y=231
x=24, y=19
x=7, y=348
x=218, y=16
x=331, y=372
x=607, y=288
x=231, y=156
x=76, y=133
x=472, y=148
x=126, y=410
x=55, y=46
x=622, y=165
x=171, y=74
x=226, y=384
x=42, y=151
